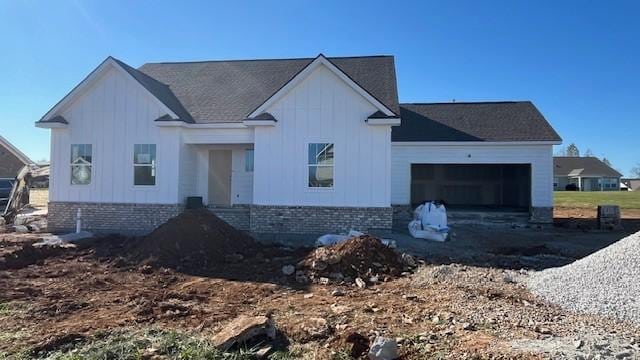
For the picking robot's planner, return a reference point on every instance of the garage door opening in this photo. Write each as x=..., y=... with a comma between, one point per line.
x=486, y=186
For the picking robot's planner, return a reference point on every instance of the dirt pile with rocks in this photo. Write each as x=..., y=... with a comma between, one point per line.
x=364, y=257
x=195, y=238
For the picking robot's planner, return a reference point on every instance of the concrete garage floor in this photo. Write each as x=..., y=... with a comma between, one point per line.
x=512, y=248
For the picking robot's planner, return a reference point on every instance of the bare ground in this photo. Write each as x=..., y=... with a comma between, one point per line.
x=441, y=311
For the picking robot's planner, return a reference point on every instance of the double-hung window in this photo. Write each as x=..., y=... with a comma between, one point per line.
x=320, y=164
x=144, y=164
x=248, y=160
x=81, y=164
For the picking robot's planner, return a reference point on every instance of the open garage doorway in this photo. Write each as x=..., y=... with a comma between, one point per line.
x=473, y=186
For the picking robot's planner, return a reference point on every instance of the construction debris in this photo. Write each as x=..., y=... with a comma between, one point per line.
x=355, y=259
x=244, y=329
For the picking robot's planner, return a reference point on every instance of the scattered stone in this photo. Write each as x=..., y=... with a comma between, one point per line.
x=242, y=329
x=578, y=344
x=316, y=328
x=623, y=354
x=374, y=279
x=360, y=283
x=467, y=326
x=319, y=265
x=410, y=297
x=308, y=296
x=338, y=292
x=301, y=277
x=288, y=270
x=383, y=349
x=409, y=260
x=323, y=281
x=435, y=319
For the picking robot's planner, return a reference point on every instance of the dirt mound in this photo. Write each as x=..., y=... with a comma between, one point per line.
x=195, y=238
x=364, y=257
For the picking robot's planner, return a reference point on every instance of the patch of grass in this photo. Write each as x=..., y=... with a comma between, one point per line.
x=5, y=309
x=128, y=345
x=591, y=199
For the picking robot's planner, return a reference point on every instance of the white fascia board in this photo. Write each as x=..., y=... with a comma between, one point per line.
x=259, y=122
x=182, y=124
x=51, y=125
x=320, y=60
x=92, y=77
x=384, y=121
x=472, y=143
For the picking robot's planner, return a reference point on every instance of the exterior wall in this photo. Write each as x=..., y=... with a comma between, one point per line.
x=9, y=164
x=538, y=156
x=318, y=220
x=113, y=115
x=110, y=217
x=322, y=109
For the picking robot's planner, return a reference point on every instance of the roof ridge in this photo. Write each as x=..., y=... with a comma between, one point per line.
x=467, y=102
x=267, y=59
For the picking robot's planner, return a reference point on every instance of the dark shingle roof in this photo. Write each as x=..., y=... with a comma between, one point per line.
x=227, y=91
x=159, y=90
x=582, y=166
x=480, y=121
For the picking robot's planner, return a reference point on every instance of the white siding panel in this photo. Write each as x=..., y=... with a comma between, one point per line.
x=113, y=115
x=539, y=156
x=322, y=108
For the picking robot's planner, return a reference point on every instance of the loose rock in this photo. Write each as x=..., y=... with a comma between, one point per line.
x=383, y=349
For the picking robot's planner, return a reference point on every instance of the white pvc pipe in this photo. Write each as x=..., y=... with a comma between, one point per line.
x=79, y=221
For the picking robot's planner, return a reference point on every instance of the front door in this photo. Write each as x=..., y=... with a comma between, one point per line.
x=220, y=177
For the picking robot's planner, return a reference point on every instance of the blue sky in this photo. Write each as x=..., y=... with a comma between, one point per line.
x=578, y=61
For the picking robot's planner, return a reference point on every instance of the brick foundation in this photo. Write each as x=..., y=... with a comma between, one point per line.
x=110, y=217
x=236, y=215
x=266, y=219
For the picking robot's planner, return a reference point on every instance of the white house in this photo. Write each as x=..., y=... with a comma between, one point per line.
x=285, y=145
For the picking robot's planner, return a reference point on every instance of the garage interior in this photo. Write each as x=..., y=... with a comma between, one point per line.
x=501, y=187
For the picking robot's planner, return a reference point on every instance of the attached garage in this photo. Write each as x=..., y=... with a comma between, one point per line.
x=473, y=186
x=496, y=156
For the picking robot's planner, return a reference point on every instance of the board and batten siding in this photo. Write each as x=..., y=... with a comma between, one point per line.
x=112, y=115
x=322, y=109
x=539, y=156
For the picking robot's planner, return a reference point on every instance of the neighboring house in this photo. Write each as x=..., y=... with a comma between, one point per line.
x=631, y=184
x=584, y=174
x=11, y=160
x=283, y=146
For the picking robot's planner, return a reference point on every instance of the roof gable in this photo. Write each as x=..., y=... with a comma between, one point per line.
x=15, y=151
x=158, y=91
x=515, y=121
x=582, y=166
x=231, y=91
x=320, y=60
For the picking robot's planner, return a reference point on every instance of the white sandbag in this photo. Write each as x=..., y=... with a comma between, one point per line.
x=433, y=215
x=428, y=233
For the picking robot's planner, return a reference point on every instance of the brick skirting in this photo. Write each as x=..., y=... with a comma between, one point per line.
x=267, y=219
x=110, y=217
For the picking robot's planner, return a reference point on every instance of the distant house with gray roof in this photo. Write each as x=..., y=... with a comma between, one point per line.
x=584, y=174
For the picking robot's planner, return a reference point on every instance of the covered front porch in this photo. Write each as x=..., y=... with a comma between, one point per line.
x=594, y=183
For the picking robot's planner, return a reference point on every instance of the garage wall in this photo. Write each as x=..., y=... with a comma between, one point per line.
x=540, y=157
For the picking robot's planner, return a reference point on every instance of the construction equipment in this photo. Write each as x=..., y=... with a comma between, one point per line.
x=19, y=196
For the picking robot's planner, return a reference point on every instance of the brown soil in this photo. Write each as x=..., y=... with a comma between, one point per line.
x=196, y=239
x=363, y=256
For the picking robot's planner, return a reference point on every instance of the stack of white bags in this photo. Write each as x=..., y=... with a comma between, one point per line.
x=429, y=222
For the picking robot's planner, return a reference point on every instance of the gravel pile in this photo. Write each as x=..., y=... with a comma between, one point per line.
x=605, y=282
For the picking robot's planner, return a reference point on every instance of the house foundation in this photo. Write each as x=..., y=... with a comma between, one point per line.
x=110, y=217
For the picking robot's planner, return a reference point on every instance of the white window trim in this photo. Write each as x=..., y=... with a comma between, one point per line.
x=153, y=165
x=90, y=166
x=333, y=173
